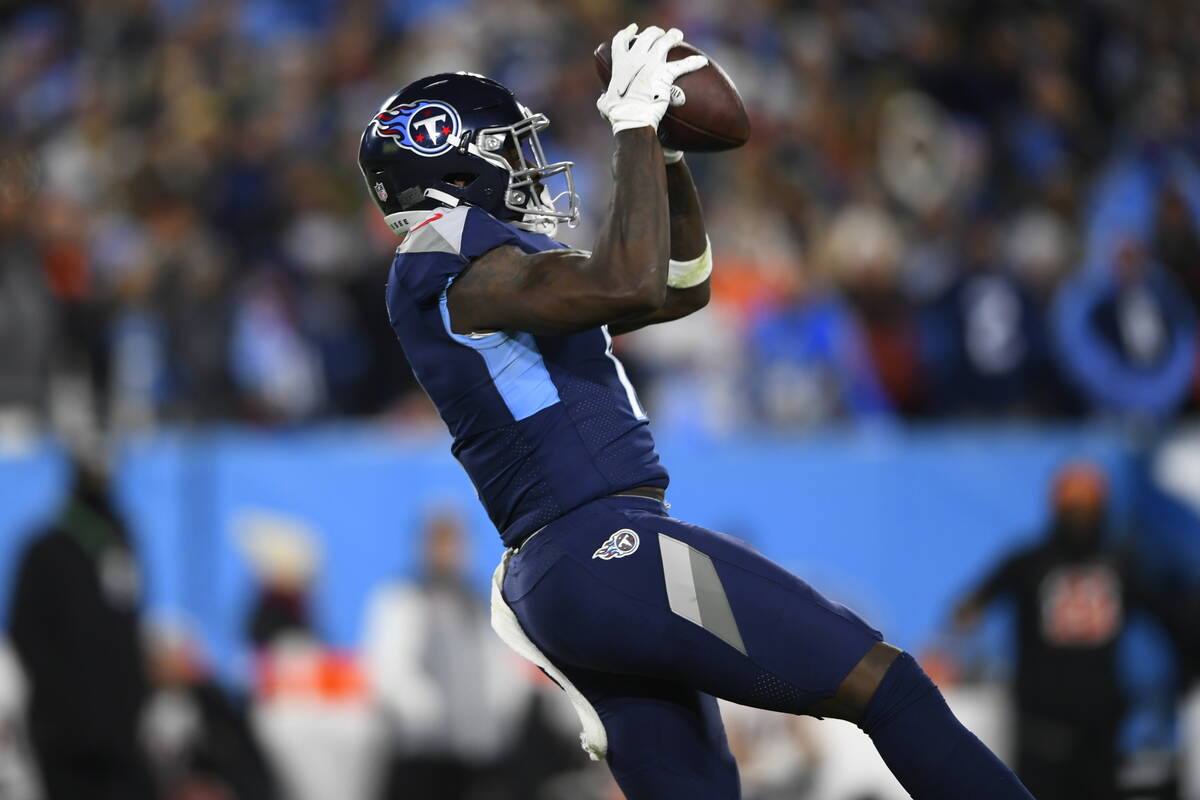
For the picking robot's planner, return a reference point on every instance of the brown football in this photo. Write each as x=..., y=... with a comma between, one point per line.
x=712, y=117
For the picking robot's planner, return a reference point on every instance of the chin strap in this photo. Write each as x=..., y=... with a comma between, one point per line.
x=539, y=223
x=547, y=226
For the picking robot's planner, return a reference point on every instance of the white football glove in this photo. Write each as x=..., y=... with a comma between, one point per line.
x=640, y=88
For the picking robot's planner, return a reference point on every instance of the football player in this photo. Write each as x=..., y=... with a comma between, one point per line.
x=640, y=617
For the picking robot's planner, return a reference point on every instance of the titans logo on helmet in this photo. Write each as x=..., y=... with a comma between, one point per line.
x=424, y=127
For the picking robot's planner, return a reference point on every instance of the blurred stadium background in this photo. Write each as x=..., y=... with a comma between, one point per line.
x=961, y=249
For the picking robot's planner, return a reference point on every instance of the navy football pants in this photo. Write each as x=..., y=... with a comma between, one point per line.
x=650, y=635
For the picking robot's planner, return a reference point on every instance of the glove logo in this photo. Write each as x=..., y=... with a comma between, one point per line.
x=424, y=127
x=622, y=543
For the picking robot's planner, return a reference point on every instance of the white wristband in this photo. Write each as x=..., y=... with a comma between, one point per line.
x=629, y=124
x=672, y=156
x=686, y=274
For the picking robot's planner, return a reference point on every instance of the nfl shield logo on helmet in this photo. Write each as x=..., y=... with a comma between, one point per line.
x=622, y=543
x=426, y=127
x=381, y=191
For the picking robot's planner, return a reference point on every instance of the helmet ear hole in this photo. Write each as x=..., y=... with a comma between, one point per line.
x=459, y=179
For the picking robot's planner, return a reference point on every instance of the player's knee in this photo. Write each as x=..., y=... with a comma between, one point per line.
x=903, y=685
x=860, y=687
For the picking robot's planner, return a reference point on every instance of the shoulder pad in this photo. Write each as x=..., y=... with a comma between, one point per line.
x=440, y=232
x=466, y=231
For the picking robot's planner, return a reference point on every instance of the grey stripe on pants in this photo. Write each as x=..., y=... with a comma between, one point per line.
x=695, y=592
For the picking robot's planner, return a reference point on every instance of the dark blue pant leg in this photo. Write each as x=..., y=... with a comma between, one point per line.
x=650, y=672
x=686, y=606
x=666, y=741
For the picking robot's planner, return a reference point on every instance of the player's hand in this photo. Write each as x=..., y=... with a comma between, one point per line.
x=642, y=81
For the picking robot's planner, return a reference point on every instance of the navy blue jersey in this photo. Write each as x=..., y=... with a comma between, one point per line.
x=542, y=424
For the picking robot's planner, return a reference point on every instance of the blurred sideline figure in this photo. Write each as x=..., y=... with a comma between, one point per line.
x=311, y=711
x=453, y=694
x=1074, y=592
x=284, y=556
x=778, y=755
x=199, y=738
x=18, y=779
x=75, y=627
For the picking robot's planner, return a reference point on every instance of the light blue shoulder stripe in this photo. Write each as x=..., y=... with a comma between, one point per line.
x=514, y=363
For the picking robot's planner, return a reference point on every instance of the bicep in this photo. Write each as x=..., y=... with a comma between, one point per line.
x=547, y=293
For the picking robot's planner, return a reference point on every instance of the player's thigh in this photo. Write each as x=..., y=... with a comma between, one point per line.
x=791, y=646
x=665, y=740
x=687, y=605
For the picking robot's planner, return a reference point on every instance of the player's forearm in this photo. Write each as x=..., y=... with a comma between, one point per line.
x=688, y=242
x=678, y=304
x=687, y=218
x=633, y=248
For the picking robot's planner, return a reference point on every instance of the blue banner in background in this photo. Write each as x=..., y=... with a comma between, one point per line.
x=893, y=524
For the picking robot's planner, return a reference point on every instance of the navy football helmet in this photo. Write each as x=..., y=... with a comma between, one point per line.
x=462, y=138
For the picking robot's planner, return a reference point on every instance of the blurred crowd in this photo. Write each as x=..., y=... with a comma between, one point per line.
x=947, y=207
x=99, y=700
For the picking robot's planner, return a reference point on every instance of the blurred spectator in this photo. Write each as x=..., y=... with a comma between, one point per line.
x=1177, y=242
x=452, y=691
x=317, y=724
x=199, y=738
x=778, y=756
x=283, y=554
x=74, y=624
x=1177, y=248
x=18, y=772
x=862, y=252
x=986, y=345
x=1039, y=250
x=274, y=366
x=1128, y=339
x=545, y=760
x=311, y=710
x=811, y=363
x=1074, y=592
x=27, y=313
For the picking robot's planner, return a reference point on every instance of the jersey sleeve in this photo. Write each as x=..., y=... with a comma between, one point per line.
x=437, y=251
x=482, y=232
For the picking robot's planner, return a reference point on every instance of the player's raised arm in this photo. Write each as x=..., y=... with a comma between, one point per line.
x=563, y=291
x=691, y=255
x=626, y=273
